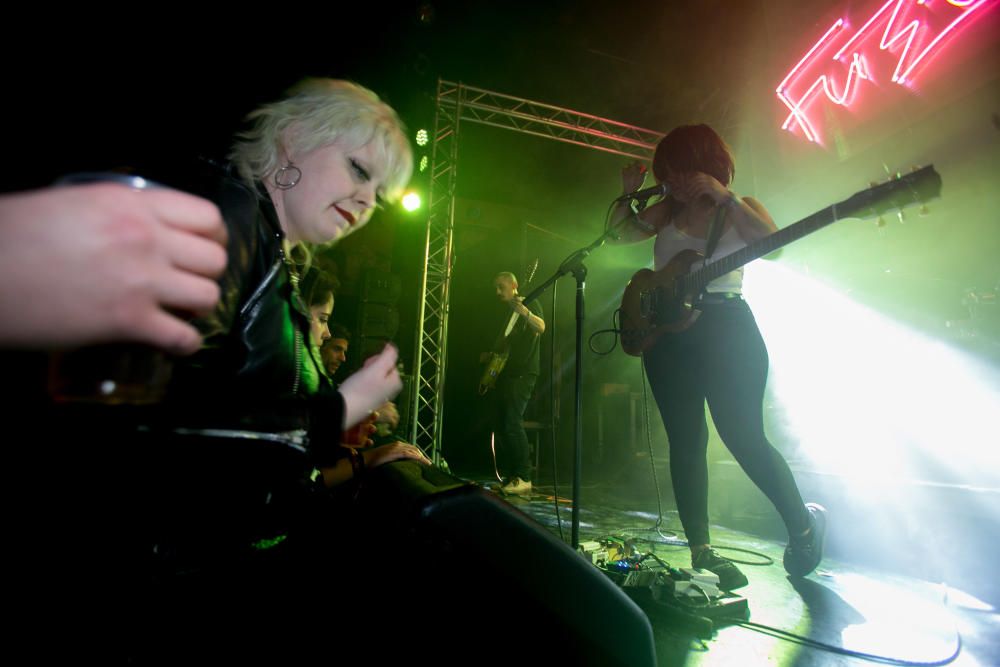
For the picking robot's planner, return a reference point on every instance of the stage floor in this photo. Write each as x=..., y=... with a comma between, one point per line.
x=900, y=619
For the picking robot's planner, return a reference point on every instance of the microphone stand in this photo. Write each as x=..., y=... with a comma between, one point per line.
x=574, y=264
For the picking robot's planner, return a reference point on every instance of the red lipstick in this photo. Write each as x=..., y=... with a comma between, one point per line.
x=347, y=215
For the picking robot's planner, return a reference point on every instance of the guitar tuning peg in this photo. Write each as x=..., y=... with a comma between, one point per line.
x=900, y=217
x=879, y=222
x=924, y=211
x=873, y=184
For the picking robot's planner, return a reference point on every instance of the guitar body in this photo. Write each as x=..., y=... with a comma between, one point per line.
x=653, y=304
x=493, y=369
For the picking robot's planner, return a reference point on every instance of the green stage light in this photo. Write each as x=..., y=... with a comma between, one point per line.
x=422, y=137
x=423, y=163
x=411, y=201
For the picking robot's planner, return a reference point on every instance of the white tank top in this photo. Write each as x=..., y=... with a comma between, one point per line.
x=671, y=241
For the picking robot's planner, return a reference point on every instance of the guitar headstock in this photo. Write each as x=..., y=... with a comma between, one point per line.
x=898, y=193
x=530, y=272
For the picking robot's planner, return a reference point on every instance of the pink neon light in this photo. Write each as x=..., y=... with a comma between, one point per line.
x=858, y=69
x=796, y=108
x=951, y=26
x=886, y=43
x=838, y=24
x=864, y=28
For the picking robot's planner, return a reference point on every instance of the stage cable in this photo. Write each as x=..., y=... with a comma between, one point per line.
x=615, y=316
x=785, y=635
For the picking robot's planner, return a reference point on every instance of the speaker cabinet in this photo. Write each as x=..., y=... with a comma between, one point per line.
x=489, y=578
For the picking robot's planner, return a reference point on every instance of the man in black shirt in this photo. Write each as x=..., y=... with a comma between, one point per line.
x=514, y=385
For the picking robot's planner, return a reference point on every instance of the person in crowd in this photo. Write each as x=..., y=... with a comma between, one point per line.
x=224, y=497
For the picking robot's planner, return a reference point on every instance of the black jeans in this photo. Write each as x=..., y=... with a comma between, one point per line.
x=721, y=359
x=510, y=400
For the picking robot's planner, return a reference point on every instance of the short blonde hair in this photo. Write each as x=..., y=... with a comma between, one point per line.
x=315, y=113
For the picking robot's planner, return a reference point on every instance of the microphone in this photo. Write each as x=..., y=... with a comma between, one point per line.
x=642, y=195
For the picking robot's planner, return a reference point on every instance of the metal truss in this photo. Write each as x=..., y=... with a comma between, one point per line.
x=457, y=103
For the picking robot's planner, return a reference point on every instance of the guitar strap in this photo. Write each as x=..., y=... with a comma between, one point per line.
x=714, y=231
x=510, y=324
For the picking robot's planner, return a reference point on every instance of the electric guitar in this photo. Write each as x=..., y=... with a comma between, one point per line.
x=500, y=352
x=660, y=302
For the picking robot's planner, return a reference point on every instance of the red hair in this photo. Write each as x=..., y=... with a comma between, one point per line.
x=694, y=148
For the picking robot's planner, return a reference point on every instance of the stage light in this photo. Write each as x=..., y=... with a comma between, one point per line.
x=422, y=138
x=423, y=163
x=411, y=201
x=862, y=394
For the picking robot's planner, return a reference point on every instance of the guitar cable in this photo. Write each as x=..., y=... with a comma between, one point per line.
x=616, y=315
x=615, y=329
x=652, y=462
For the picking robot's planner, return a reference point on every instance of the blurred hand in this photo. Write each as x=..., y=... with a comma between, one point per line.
x=397, y=451
x=633, y=176
x=697, y=187
x=106, y=263
x=387, y=414
x=371, y=386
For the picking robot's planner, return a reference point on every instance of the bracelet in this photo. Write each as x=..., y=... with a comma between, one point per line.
x=357, y=462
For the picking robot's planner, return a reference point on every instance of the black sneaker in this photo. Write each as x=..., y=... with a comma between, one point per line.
x=730, y=577
x=804, y=553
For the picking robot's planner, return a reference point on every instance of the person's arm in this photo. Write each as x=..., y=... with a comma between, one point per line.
x=535, y=322
x=751, y=219
x=356, y=461
x=760, y=222
x=748, y=216
x=371, y=386
x=630, y=226
x=103, y=263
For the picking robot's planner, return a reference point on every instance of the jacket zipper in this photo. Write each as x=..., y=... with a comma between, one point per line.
x=298, y=361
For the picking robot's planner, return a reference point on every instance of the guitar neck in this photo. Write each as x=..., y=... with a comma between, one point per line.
x=895, y=194
x=696, y=280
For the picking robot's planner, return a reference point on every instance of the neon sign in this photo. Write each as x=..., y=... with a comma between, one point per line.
x=913, y=33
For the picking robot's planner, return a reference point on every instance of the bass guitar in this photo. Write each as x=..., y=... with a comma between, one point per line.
x=660, y=302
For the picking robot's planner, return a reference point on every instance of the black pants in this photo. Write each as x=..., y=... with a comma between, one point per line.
x=510, y=400
x=721, y=359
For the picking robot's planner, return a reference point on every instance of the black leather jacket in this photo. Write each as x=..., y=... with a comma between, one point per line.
x=254, y=372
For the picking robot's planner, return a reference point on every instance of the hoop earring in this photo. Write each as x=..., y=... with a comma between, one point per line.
x=287, y=177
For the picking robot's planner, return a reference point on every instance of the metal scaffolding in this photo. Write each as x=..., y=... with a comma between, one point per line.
x=456, y=103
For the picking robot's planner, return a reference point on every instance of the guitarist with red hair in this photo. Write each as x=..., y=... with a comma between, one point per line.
x=718, y=356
